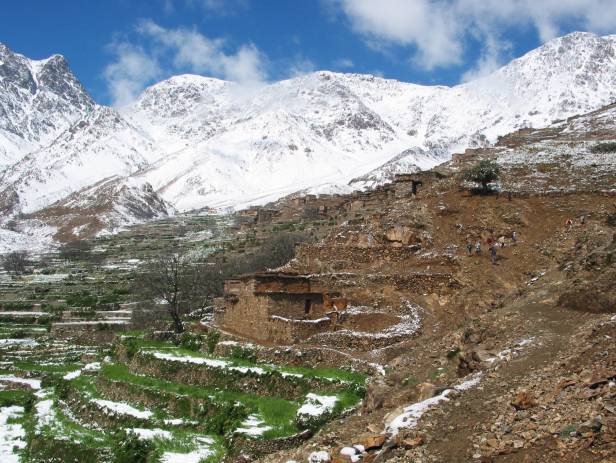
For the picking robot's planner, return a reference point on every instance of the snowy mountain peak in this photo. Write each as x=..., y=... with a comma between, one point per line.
x=39, y=99
x=200, y=141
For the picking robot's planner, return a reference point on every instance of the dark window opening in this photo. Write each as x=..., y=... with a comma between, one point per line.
x=307, y=306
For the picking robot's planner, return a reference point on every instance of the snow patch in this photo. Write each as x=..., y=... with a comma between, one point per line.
x=253, y=426
x=317, y=405
x=12, y=436
x=122, y=408
x=33, y=383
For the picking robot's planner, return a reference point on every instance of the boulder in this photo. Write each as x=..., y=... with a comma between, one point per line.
x=426, y=391
x=377, y=394
x=524, y=400
x=373, y=441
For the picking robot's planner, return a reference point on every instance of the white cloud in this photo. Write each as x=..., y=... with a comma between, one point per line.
x=132, y=70
x=343, y=63
x=218, y=7
x=437, y=32
x=490, y=60
x=299, y=66
x=136, y=66
x=201, y=54
x=426, y=25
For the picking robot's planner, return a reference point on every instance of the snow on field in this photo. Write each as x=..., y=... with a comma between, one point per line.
x=253, y=426
x=72, y=375
x=148, y=434
x=26, y=342
x=209, y=362
x=11, y=435
x=410, y=416
x=94, y=366
x=44, y=413
x=122, y=408
x=317, y=405
x=97, y=322
x=510, y=352
x=23, y=313
x=203, y=450
x=408, y=324
x=33, y=383
x=189, y=359
x=41, y=278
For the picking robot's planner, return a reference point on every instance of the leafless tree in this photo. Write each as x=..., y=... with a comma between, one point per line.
x=15, y=262
x=181, y=282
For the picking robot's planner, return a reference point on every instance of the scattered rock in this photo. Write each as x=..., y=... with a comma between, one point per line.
x=373, y=442
x=524, y=400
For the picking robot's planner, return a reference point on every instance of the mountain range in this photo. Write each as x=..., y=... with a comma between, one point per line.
x=191, y=142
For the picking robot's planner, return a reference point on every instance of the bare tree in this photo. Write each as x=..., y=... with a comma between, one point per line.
x=182, y=283
x=15, y=262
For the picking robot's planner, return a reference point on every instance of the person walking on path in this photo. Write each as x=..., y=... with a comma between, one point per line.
x=478, y=248
x=514, y=238
x=469, y=247
x=493, y=254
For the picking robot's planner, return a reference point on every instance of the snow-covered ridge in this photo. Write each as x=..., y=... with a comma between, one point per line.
x=200, y=141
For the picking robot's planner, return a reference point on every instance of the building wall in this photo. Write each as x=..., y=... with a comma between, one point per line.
x=246, y=314
x=294, y=305
x=285, y=331
x=275, y=310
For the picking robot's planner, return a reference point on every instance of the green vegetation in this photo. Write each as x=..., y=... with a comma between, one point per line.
x=606, y=147
x=565, y=432
x=131, y=449
x=484, y=173
x=63, y=424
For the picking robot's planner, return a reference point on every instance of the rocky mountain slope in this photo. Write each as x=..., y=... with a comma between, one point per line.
x=38, y=101
x=514, y=360
x=204, y=142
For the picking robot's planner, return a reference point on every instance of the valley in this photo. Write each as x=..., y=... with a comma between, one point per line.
x=332, y=268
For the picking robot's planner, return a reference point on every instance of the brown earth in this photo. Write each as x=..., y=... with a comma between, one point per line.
x=538, y=325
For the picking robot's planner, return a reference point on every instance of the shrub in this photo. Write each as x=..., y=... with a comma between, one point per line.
x=607, y=147
x=131, y=348
x=82, y=299
x=61, y=386
x=211, y=340
x=484, y=173
x=131, y=449
x=243, y=353
x=227, y=418
x=190, y=341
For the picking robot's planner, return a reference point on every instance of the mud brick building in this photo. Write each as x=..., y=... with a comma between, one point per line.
x=276, y=307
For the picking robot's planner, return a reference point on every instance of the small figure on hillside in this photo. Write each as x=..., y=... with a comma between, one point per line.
x=514, y=237
x=501, y=241
x=568, y=224
x=493, y=254
x=478, y=248
x=583, y=220
x=469, y=247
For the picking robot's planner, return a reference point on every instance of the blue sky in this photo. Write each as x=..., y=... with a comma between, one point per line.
x=117, y=47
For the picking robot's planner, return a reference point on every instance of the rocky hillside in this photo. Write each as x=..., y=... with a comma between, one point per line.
x=514, y=358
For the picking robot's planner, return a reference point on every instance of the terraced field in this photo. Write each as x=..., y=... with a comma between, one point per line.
x=64, y=402
x=68, y=398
